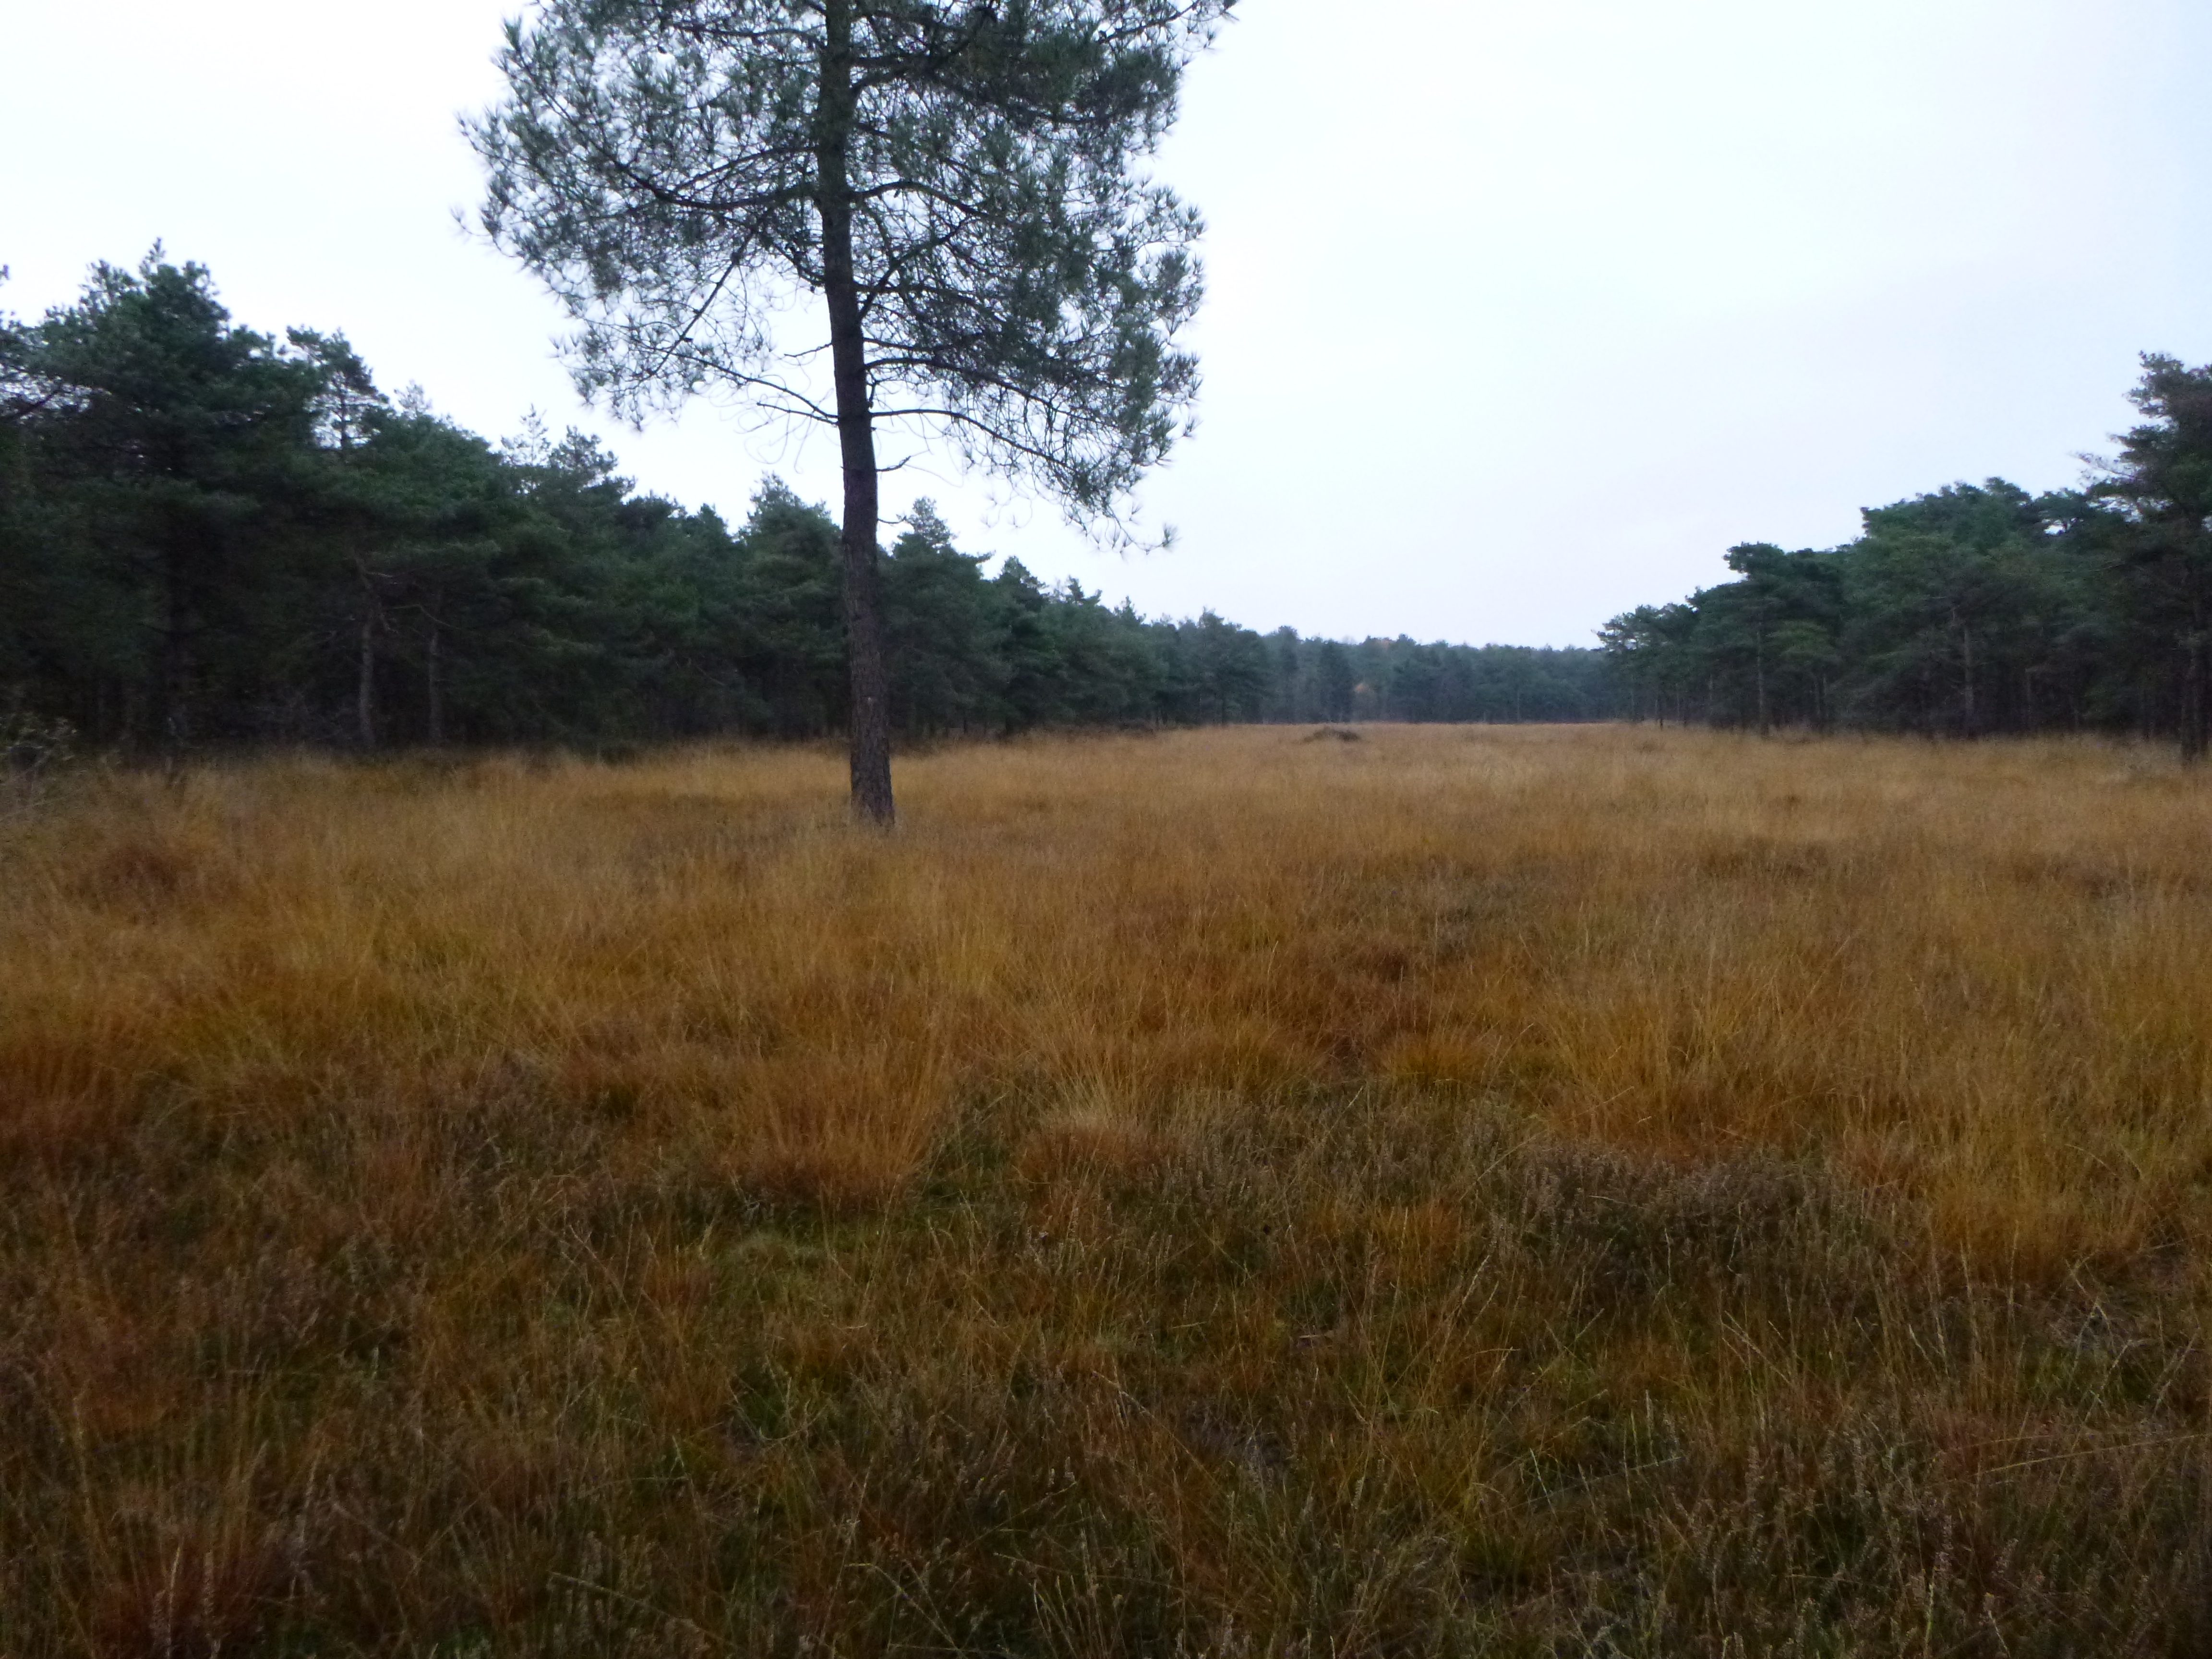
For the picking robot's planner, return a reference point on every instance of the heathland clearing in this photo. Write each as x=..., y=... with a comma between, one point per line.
x=1469, y=1189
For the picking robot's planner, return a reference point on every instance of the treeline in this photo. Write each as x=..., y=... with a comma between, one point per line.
x=1975, y=610
x=208, y=534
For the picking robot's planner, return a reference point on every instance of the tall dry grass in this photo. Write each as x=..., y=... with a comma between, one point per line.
x=1463, y=1191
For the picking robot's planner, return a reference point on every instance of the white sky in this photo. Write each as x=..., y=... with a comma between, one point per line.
x=1522, y=311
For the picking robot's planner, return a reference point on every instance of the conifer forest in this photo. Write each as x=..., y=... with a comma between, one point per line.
x=212, y=536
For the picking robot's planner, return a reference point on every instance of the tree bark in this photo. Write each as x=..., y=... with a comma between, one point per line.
x=2196, y=695
x=1967, y=653
x=364, y=691
x=870, y=719
x=174, y=716
x=1758, y=673
x=433, y=688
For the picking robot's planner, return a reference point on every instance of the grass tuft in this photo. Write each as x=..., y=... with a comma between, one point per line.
x=1504, y=1191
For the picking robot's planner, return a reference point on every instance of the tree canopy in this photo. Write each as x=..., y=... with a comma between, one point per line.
x=212, y=536
x=1974, y=609
x=959, y=183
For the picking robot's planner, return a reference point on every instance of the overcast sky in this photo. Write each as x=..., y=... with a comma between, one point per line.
x=1521, y=311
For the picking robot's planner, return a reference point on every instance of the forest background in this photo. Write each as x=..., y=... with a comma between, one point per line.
x=209, y=534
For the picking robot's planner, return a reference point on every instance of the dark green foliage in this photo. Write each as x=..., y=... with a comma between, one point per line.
x=1978, y=609
x=674, y=170
x=1967, y=611
x=207, y=536
x=159, y=447
x=946, y=633
x=2157, y=537
x=961, y=186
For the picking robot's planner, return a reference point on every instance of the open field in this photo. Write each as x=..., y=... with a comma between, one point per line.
x=1465, y=1191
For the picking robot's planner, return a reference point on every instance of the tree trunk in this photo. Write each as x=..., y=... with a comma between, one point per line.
x=433, y=688
x=1967, y=653
x=856, y=439
x=172, y=691
x=364, y=690
x=1758, y=675
x=2196, y=695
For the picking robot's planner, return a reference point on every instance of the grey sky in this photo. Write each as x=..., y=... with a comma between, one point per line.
x=1521, y=312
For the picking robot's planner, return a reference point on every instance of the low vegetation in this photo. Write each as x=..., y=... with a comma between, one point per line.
x=1465, y=1191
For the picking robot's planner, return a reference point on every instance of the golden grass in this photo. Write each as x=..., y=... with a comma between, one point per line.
x=1502, y=1190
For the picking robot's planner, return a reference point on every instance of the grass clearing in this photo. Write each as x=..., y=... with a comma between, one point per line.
x=1493, y=1190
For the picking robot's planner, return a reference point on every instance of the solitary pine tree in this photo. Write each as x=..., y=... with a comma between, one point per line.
x=959, y=183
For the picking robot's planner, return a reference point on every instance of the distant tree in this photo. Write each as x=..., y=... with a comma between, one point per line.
x=31, y=578
x=1109, y=659
x=343, y=504
x=166, y=442
x=1228, y=670
x=1033, y=678
x=190, y=510
x=1642, y=647
x=1977, y=608
x=957, y=179
x=1336, y=679
x=433, y=503
x=1950, y=597
x=1412, y=688
x=946, y=669
x=1773, y=627
x=2161, y=483
x=789, y=591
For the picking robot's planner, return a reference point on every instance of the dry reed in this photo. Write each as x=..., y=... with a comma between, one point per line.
x=1464, y=1191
